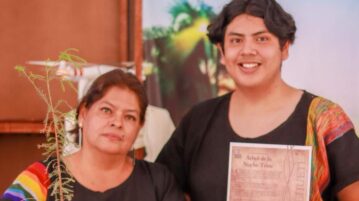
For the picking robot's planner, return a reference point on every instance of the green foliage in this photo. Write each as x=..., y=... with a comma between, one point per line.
x=71, y=57
x=156, y=32
x=54, y=121
x=173, y=46
x=184, y=14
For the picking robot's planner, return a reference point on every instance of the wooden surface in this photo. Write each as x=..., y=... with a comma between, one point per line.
x=138, y=52
x=21, y=128
x=16, y=153
x=40, y=30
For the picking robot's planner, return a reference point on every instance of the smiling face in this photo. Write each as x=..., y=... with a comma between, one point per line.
x=112, y=123
x=251, y=54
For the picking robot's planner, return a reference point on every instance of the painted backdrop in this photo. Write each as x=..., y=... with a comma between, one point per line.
x=183, y=68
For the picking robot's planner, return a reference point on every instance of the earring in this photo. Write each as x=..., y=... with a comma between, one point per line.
x=80, y=135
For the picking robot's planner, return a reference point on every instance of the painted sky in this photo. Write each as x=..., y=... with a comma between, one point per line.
x=324, y=59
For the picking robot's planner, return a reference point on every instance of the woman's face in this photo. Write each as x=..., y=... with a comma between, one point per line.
x=112, y=123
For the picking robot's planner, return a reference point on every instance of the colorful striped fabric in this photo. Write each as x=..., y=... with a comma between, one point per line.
x=326, y=123
x=30, y=185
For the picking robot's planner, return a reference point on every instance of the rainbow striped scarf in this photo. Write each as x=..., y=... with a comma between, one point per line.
x=31, y=185
x=326, y=123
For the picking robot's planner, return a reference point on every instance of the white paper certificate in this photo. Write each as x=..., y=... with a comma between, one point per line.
x=263, y=172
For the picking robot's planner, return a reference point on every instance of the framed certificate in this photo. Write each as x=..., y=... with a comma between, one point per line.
x=265, y=172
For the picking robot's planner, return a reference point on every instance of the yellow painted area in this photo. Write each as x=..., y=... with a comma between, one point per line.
x=186, y=40
x=31, y=183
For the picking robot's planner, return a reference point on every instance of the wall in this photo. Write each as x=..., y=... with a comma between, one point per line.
x=40, y=29
x=17, y=151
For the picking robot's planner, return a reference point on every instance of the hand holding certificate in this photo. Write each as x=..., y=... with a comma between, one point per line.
x=262, y=172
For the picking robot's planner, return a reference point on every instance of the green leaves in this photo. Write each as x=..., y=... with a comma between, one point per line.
x=20, y=69
x=70, y=56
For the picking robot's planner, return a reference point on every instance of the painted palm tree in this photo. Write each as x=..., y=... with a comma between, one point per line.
x=185, y=60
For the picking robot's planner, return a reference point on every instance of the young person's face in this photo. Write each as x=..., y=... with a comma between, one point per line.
x=112, y=123
x=252, y=55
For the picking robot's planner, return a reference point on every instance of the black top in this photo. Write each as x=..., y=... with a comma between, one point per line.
x=217, y=140
x=198, y=151
x=147, y=182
